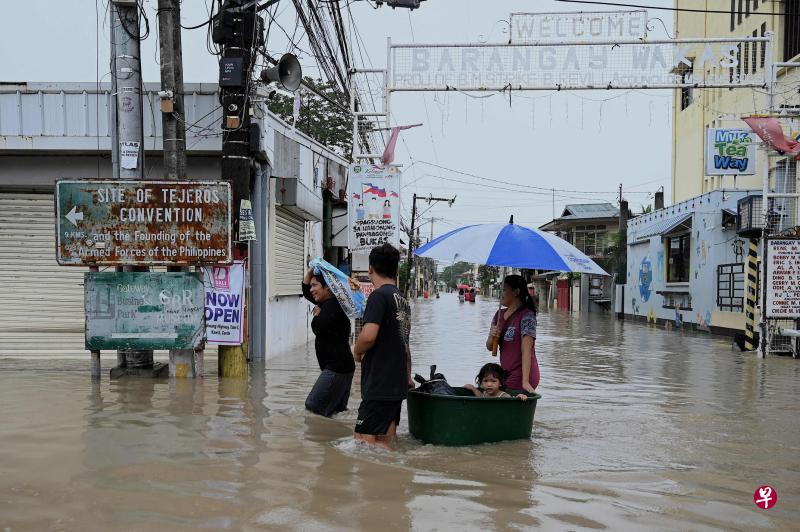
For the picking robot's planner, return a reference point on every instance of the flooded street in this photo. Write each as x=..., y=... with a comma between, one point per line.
x=638, y=428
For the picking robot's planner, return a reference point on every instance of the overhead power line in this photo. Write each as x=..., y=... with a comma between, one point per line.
x=674, y=9
x=545, y=189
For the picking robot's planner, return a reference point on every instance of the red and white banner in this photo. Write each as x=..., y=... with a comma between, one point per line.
x=769, y=130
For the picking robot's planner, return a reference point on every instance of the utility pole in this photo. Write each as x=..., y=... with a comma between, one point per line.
x=127, y=134
x=239, y=29
x=410, y=259
x=182, y=362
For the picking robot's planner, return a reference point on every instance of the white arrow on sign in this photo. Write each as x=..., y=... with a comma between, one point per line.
x=74, y=216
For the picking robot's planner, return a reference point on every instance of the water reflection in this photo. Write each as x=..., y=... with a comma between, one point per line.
x=638, y=428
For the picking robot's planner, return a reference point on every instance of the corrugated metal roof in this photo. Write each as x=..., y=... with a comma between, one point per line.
x=589, y=210
x=661, y=227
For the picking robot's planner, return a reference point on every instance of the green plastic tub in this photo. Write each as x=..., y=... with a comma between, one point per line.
x=464, y=419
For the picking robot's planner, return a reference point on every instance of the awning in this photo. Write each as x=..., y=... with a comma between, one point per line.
x=663, y=227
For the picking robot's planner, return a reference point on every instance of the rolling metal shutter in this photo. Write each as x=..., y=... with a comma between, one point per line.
x=42, y=314
x=288, y=253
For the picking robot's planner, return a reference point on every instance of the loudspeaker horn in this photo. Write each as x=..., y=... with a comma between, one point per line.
x=287, y=73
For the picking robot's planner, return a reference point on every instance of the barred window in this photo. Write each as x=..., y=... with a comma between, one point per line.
x=730, y=287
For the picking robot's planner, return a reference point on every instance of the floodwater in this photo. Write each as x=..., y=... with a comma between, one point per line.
x=638, y=429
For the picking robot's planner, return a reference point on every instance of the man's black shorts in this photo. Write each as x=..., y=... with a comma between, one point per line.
x=374, y=417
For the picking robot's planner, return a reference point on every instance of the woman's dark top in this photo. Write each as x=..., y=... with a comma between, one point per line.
x=332, y=331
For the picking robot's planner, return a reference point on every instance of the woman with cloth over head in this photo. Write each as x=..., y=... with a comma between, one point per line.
x=331, y=327
x=514, y=330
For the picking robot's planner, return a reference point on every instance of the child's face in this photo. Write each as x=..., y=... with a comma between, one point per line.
x=490, y=385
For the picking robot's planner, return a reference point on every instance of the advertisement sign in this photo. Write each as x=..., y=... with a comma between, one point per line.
x=730, y=151
x=124, y=222
x=224, y=308
x=783, y=278
x=578, y=26
x=374, y=207
x=143, y=310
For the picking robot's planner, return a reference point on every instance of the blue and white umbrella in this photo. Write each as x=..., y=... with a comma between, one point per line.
x=509, y=245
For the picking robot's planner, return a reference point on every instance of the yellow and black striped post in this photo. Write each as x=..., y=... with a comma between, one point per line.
x=751, y=284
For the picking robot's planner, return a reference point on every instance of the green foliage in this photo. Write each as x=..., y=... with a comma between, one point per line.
x=319, y=119
x=487, y=274
x=451, y=275
x=647, y=209
x=617, y=254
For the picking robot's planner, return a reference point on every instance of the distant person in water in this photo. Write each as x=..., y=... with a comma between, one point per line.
x=491, y=381
x=383, y=350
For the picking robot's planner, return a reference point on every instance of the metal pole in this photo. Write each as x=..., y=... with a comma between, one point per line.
x=236, y=160
x=126, y=80
x=258, y=265
x=181, y=361
x=410, y=259
x=762, y=323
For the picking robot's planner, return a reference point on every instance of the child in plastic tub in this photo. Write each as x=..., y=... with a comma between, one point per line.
x=491, y=381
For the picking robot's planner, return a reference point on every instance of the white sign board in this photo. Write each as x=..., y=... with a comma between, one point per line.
x=129, y=155
x=576, y=26
x=783, y=279
x=224, y=308
x=374, y=207
x=577, y=65
x=730, y=151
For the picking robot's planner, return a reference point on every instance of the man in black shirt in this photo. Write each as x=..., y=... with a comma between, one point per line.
x=382, y=349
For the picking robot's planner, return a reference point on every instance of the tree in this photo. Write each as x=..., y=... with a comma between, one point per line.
x=452, y=274
x=321, y=120
x=487, y=274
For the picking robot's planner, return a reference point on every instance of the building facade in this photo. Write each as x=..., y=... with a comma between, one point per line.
x=686, y=265
x=50, y=131
x=695, y=111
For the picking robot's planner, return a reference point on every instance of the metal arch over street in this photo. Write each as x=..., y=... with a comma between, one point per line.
x=581, y=65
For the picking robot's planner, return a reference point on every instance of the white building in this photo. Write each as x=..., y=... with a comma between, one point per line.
x=51, y=131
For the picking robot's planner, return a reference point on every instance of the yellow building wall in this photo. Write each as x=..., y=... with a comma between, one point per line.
x=713, y=108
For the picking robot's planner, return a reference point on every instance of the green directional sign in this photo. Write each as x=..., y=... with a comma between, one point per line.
x=144, y=310
x=118, y=222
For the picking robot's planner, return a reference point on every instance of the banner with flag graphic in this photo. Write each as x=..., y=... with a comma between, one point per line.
x=373, y=206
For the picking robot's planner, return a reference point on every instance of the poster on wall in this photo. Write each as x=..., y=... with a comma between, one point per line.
x=730, y=151
x=224, y=308
x=374, y=207
x=783, y=278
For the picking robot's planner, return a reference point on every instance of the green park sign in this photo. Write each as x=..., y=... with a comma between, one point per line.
x=142, y=222
x=143, y=310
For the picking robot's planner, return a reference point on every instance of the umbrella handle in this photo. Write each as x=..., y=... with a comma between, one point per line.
x=500, y=324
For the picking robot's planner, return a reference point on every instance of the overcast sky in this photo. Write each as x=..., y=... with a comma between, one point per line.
x=586, y=143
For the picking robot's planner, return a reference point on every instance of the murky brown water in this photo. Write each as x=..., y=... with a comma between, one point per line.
x=638, y=429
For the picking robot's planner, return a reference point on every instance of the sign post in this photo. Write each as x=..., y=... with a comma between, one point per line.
x=143, y=310
x=142, y=223
x=374, y=192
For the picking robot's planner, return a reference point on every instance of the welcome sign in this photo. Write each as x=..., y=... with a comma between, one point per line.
x=730, y=151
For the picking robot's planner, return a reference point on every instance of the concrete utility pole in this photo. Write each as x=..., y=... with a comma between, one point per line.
x=182, y=362
x=236, y=82
x=410, y=258
x=127, y=135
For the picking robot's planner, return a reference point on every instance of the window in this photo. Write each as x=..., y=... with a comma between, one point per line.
x=791, y=41
x=746, y=8
x=685, y=72
x=746, y=58
x=730, y=287
x=733, y=15
x=754, y=55
x=678, y=258
x=739, y=13
x=591, y=239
